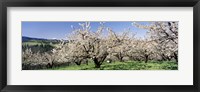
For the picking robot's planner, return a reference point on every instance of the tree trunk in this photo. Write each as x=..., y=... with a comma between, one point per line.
x=99, y=60
x=163, y=57
x=146, y=58
x=96, y=62
x=168, y=58
x=78, y=63
x=87, y=62
x=97, y=65
x=119, y=56
x=176, y=57
x=50, y=65
x=121, y=59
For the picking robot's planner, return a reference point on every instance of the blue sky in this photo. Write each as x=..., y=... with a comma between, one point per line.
x=59, y=30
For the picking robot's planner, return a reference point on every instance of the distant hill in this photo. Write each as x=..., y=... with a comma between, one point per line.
x=26, y=39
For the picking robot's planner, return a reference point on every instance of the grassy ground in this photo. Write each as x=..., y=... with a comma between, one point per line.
x=129, y=65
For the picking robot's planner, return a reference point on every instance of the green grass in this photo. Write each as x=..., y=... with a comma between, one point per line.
x=129, y=65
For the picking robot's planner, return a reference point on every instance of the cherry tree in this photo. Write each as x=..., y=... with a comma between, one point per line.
x=85, y=44
x=119, y=44
x=165, y=34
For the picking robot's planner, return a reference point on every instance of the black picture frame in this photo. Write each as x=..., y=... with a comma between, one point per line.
x=100, y=3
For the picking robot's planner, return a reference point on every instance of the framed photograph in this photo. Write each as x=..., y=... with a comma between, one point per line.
x=87, y=45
